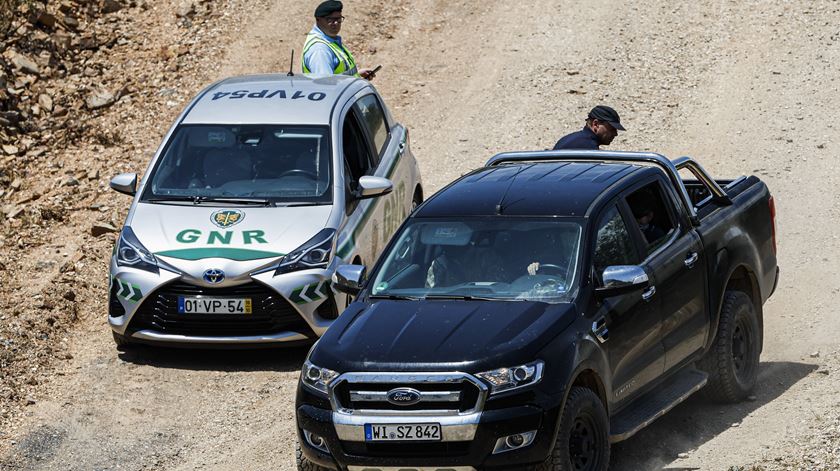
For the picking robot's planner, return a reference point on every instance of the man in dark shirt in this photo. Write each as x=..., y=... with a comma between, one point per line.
x=602, y=125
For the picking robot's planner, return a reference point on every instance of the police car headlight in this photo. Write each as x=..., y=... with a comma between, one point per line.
x=131, y=253
x=316, y=377
x=315, y=253
x=507, y=379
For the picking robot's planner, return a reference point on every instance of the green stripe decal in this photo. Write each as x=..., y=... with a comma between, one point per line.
x=219, y=252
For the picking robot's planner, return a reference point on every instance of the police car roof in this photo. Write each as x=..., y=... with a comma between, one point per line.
x=530, y=189
x=274, y=98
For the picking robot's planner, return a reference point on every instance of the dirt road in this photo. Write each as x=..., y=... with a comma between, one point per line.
x=745, y=87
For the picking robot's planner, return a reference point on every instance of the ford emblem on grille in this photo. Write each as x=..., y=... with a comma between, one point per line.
x=403, y=396
x=214, y=275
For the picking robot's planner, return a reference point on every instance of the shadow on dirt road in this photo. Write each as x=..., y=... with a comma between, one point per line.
x=697, y=420
x=263, y=359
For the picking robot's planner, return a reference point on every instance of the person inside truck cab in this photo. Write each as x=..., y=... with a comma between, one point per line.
x=644, y=218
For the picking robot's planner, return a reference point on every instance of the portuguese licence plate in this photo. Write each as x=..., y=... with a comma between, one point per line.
x=401, y=432
x=205, y=305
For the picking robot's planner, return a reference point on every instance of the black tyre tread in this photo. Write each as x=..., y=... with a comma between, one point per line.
x=304, y=464
x=558, y=460
x=722, y=385
x=121, y=342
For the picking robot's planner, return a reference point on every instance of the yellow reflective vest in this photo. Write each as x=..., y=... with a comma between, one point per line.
x=346, y=63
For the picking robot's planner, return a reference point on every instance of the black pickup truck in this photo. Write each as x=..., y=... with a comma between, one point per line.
x=538, y=309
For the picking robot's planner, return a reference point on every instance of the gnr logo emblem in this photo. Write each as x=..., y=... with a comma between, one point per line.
x=227, y=217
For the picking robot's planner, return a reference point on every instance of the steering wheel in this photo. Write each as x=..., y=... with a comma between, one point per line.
x=560, y=270
x=299, y=172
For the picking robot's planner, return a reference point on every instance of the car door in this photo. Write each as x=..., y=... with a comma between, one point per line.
x=632, y=323
x=388, y=141
x=676, y=261
x=354, y=239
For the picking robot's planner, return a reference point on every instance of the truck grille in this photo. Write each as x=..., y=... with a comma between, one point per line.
x=271, y=313
x=446, y=393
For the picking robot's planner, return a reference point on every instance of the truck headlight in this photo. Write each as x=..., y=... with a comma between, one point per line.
x=507, y=379
x=131, y=253
x=315, y=253
x=316, y=377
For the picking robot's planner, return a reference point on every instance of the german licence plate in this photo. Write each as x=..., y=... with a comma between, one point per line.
x=401, y=432
x=205, y=305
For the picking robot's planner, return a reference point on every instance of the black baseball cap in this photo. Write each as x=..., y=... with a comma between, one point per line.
x=605, y=113
x=325, y=8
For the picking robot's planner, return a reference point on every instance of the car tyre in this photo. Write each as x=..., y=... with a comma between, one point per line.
x=304, y=464
x=416, y=201
x=121, y=341
x=732, y=362
x=583, y=439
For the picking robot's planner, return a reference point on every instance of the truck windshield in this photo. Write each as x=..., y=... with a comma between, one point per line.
x=272, y=163
x=502, y=258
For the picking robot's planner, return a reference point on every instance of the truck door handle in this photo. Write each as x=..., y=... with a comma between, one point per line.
x=648, y=293
x=402, y=147
x=691, y=259
x=599, y=328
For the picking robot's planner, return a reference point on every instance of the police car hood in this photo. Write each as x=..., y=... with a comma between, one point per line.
x=190, y=236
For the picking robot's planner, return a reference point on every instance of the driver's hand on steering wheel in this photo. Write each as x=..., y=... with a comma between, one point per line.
x=533, y=268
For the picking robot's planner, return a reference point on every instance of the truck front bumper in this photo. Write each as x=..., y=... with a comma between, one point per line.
x=467, y=442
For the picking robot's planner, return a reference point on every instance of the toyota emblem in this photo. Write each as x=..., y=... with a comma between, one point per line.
x=214, y=276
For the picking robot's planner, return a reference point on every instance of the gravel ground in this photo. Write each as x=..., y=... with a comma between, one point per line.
x=745, y=87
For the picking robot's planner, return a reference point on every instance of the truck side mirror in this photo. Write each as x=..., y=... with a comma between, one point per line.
x=125, y=183
x=371, y=187
x=349, y=278
x=621, y=279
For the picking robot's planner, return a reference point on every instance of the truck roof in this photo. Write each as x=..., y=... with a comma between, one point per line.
x=530, y=189
x=272, y=98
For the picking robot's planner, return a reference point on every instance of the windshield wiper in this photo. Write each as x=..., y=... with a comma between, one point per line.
x=164, y=199
x=464, y=297
x=210, y=199
x=234, y=200
x=394, y=296
x=300, y=203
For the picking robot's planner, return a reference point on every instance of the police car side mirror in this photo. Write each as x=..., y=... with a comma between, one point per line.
x=125, y=183
x=349, y=278
x=371, y=187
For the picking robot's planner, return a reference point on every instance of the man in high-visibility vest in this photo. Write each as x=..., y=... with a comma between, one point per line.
x=324, y=52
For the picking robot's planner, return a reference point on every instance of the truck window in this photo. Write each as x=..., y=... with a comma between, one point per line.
x=653, y=214
x=374, y=119
x=613, y=245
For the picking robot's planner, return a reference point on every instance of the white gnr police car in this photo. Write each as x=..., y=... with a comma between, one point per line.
x=261, y=188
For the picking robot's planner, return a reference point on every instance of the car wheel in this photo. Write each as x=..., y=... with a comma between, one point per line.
x=304, y=464
x=583, y=440
x=732, y=362
x=416, y=201
x=121, y=341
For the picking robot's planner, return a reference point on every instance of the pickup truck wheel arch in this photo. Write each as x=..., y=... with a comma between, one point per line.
x=732, y=362
x=743, y=279
x=582, y=441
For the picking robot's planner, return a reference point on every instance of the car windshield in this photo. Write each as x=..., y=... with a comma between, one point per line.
x=238, y=163
x=502, y=258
